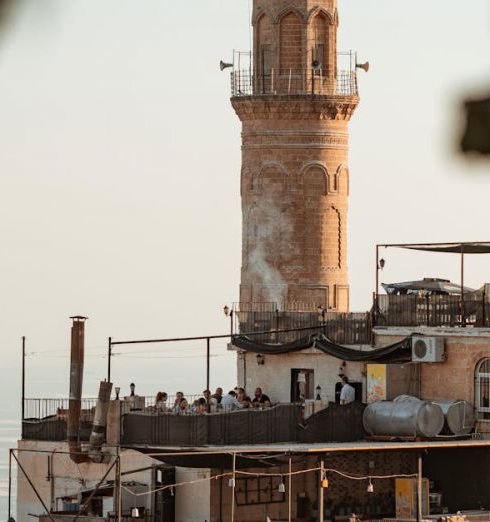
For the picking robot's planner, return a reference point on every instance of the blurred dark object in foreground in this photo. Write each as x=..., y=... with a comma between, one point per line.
x=476, y=137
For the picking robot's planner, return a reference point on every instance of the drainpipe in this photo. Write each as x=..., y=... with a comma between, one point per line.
x=76, y=381
x=98, y=435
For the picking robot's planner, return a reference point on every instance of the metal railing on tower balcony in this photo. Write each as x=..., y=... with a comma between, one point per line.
x=316, y=82
x=286, y=322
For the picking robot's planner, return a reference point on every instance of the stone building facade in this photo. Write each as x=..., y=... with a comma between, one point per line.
x=295, y=106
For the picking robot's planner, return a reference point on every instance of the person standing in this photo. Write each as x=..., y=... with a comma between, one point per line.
x=348, y=393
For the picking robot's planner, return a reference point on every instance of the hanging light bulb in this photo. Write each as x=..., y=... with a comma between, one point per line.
x=324, y=483
x=135, y=513
x=370, y=488
x=231, y=482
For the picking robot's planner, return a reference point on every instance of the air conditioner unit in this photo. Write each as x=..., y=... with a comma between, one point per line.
x=428, y=349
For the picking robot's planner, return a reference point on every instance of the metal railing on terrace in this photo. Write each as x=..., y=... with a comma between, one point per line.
x=431, y=310
x=284, y=82
x=37, y=409
x=263, y=321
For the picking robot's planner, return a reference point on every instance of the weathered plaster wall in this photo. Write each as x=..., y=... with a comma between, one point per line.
x=274, y=376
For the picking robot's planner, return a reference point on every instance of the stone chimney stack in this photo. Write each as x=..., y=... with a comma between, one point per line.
x=295, y=105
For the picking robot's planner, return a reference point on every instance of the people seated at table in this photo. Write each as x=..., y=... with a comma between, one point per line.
x=218, y=395
x=261, y=400
x=161, y=402
x=210, y=403
x=182, y=408
x=178, y=397
x=230, y=401
x=200, y=406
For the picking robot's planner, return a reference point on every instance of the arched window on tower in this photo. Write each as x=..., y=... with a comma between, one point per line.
x=291, y=44
x=315, y=188
x=482, y=389
x=319, y=38
x=265, y=38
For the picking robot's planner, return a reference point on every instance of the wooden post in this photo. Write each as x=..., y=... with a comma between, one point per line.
x=419, y=489
x=290, y=499
x=321, y=509
x=233, y=490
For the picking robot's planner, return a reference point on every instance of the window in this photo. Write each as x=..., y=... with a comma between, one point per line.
x=482, y=388
x=260, y=490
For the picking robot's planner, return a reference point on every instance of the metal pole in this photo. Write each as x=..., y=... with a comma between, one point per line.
x=377, y=270
x=463, y=318
x=19, y=465
x=208, y=357
x=231, y=323
x=233, y=490
x=109, y=357
x=23, y=377
x=290, y=510
x=117, y=492
x=10, y=486
x=85, y=505
x=419, y=489
x=321, y=502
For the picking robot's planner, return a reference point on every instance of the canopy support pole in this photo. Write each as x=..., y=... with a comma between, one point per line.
x=463, y=316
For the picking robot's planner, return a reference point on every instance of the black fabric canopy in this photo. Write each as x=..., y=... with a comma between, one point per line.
x=400, y=352
x=451, y=248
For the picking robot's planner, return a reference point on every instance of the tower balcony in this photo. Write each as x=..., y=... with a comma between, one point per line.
x=279, y=82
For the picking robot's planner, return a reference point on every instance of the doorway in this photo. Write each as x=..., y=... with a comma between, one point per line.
x=302, y=384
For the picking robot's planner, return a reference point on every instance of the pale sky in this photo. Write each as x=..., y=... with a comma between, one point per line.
x=120, y=164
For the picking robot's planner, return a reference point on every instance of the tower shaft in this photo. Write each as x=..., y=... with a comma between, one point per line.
x=295, y=106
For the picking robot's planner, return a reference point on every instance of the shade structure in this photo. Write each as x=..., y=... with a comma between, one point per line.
x=479, y=247
x=426, y=285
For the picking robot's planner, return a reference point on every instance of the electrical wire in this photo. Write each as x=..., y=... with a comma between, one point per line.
x=349, y=476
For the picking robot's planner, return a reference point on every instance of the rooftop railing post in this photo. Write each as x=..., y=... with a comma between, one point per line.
x=10, y=519
x=208, y=356
x=427, y=304
x=463, y=315
x=109, y=358
x=23, y=394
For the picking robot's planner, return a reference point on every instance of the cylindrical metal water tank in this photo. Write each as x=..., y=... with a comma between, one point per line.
x=404, y=418
x=459, y=415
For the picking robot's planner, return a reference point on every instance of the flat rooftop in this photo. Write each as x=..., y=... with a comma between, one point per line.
x=314, y=448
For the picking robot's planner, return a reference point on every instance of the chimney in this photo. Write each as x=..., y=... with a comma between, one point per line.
x=76, y=382
x=98, y=435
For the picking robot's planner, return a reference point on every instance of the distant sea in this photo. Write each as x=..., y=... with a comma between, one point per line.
x=9, y=434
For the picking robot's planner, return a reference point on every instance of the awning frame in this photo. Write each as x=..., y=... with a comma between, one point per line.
x=462, y=248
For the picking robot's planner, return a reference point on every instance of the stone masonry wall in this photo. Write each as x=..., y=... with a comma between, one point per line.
x=453, y=379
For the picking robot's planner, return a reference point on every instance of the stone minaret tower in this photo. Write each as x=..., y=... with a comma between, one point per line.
x=295, y=106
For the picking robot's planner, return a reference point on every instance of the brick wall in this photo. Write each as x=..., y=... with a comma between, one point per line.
x=343, y=495
x=453, y=379
x=295, y=177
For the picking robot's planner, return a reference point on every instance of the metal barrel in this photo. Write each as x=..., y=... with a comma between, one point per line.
x=459, y=415
x=404, y=418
